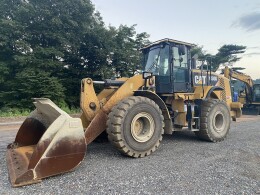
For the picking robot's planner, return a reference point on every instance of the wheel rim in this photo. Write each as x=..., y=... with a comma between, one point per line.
x=219, y=122
x=142, y=127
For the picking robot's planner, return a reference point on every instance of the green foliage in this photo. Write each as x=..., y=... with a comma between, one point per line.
x=227, y=54
x=29, y=83
x=238, y=68
x=198, y=50
x=124, y=56
x=72, y=110
x=47, y=47
x=10, y=112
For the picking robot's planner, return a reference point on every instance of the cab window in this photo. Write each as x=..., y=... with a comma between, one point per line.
x=180, y=60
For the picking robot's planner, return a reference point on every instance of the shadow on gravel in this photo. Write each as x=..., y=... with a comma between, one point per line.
x=185, y=135
x=107, y=150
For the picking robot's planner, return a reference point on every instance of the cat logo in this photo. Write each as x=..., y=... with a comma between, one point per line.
x=198, y=79
x=203, y=79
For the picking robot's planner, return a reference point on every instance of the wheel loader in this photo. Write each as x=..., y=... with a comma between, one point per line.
x=169, y=95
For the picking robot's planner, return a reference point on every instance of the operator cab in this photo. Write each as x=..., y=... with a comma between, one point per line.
x=170, y=62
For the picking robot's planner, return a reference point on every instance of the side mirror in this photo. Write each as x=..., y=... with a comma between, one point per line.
x=182, y=50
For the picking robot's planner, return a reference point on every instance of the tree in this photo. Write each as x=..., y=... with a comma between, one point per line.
x=104, y=52
x=47, y=47
x=198, y=50
x=125, y=55
x=226, y=55
x=36, y=36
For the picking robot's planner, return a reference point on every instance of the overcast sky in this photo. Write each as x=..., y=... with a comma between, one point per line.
x=210, y=24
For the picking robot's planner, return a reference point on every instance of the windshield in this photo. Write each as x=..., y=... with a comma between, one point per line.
x=156, y=60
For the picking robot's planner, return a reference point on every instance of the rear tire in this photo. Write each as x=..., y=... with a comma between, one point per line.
x=215, y=120
x=135, y=126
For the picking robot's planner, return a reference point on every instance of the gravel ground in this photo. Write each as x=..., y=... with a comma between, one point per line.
x=182, y=165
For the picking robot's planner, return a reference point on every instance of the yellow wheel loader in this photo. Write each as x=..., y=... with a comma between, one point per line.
x=170, y=95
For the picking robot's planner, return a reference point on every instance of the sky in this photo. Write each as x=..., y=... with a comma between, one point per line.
x=207, y=23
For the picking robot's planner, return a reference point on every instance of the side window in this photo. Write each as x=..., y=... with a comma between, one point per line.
x=164, y=67
x=184, y=59
x=164, y=62
x=180, y=63
x=178, y=59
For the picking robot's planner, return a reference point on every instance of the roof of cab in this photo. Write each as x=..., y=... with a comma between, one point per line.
x=168, y=40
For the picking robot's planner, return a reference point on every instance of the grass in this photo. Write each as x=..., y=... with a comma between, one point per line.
x=72, y=110
x=14, y=112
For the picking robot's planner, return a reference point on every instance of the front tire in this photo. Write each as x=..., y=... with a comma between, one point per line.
x=135, y=126
x=215, y=120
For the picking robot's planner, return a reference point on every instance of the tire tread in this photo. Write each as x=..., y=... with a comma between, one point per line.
x=115, y=119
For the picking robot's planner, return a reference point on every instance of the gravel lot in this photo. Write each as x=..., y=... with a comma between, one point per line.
x=182, y=165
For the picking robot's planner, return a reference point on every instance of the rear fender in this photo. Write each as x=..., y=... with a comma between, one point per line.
x=213, y=89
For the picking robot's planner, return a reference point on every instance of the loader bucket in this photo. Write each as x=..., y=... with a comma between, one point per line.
x=49, y=142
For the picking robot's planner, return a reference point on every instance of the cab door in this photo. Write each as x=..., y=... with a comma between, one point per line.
x=163, y=79
x=180, y=75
